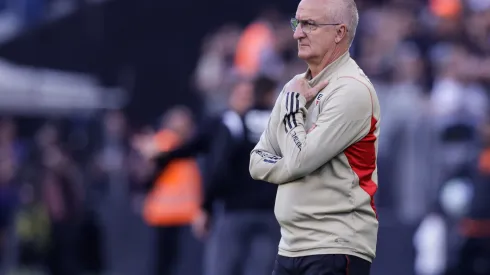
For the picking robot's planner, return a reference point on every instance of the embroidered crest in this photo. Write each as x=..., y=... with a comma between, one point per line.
x=318, y=98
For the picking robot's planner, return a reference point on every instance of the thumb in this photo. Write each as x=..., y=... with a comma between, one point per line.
x=321, y=85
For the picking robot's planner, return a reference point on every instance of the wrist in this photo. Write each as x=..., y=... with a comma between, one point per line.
x=294, y=102
x=303, y=100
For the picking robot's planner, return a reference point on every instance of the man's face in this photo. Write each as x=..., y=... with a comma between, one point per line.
x=314, y=45
x=241, y=98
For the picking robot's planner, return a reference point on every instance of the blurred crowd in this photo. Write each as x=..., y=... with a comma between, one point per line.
x=70, y=191
x=52, y=185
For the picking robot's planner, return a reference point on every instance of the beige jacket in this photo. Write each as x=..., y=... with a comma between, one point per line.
x=323, y=157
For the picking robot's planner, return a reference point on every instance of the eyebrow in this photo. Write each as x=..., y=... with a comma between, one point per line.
x=305, y=19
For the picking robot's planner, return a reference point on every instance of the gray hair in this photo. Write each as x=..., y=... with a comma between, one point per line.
x=345, y=12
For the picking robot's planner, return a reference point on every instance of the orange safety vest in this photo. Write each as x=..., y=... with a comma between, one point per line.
x=176, y=197
x=484, y=162
x=254, y=39
x=446, y=8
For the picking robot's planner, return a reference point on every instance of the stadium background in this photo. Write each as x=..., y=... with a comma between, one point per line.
x=79, y=74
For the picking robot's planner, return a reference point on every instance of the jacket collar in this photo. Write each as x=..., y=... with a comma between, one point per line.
x=328, y=72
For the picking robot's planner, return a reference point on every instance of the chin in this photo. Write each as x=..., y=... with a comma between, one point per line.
x=303, y=54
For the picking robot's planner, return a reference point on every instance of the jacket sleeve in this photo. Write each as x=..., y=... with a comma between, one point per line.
x=345, y=118
x=267, y=151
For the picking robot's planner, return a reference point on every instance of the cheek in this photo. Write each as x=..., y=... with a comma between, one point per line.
x=322, y=44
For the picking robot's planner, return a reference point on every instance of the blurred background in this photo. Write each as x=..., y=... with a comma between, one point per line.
x=80, y=78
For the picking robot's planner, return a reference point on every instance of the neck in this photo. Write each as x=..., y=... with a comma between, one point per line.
x=327, y=59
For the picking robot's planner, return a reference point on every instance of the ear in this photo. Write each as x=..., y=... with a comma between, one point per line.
x=341, y=33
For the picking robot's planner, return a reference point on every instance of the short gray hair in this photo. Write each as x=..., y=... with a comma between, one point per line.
x=345, y=12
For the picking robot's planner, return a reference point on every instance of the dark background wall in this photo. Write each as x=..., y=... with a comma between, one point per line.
x=156, y=41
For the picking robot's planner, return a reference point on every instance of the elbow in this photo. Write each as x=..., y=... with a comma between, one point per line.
x=258, y=172
x=254, y=167
x=255, y=176
x=254, y=173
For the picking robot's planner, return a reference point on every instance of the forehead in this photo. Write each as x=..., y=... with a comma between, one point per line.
x=312, y=10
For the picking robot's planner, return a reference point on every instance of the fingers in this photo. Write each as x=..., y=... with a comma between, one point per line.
x=321, y=86
x=300, y=85
x=300, y=81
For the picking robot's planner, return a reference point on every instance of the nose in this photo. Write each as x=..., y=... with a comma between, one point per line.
x=299, y=33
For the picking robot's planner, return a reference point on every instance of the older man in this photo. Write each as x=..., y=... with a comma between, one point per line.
x=320, y=147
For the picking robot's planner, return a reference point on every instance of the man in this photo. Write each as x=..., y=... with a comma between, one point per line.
x=320, y=149
x=245, y=228
x=474, y=227
x=240, y=101
x=177, y=187
x=244, y=234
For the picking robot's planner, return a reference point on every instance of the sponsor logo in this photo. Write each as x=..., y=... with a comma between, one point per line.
x=318, y=98
x=297, y=141
x=270, y=158
x=340, y=240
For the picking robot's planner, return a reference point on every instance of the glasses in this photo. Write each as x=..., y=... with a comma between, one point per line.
x=308, y=26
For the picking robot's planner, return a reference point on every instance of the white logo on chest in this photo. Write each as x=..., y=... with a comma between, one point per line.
x=317, y=101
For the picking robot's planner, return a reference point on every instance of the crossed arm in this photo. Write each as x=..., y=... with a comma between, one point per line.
x=344, y=119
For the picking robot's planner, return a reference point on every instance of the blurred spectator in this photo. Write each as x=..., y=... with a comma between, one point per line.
x=9, y=142
x=11, y=154
x=174, y=199
x=454, y=93
x=63, y=194
x=214, y=75
x=475, y=226
x=244, y=225
x=240, y=99
x=258, y=50
x=9, y=200
x=407, y=136
x=111, y=178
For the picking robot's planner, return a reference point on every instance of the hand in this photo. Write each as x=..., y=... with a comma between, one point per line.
x=146, y=146
x=201, y=225
x=300, y=85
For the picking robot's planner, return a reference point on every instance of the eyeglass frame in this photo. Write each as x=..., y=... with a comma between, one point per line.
x=311, y=24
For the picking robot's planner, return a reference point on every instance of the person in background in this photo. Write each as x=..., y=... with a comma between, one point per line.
x=245, y=226
x=9, y=200
x=475, y=226
x=109, y=191
x=63, y=195
x=240, y=100
x=174, y=198
x=11, y=154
